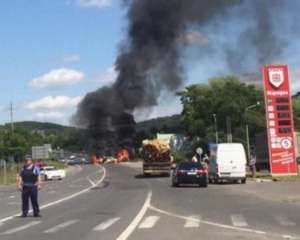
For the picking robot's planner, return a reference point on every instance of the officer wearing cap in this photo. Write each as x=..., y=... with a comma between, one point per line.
x=29, y=183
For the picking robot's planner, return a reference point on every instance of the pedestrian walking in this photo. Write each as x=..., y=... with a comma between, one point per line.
x=252, y=165
x=29, y=183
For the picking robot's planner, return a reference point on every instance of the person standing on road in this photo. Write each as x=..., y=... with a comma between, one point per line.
x=252, y=165
x=29, y=183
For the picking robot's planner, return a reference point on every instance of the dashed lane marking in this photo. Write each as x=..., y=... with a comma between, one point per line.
x=207, y=222
x=21, y=228
x=132, y=226
x=289, y=237
x=238, y=220
x=190, y=223
x=91, y=182
x=62, y=199
x=149, y=222
x=61, y=226
x=106, y=224
x=284, y=221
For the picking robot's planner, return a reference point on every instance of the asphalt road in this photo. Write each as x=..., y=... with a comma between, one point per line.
x=116, y=203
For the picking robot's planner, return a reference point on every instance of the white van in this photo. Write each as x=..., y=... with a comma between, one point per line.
x=227, y=162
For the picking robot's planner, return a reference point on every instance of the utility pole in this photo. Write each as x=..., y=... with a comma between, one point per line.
x=216, y=127
x=229, y=133
x=11, y=117
x=247, y=128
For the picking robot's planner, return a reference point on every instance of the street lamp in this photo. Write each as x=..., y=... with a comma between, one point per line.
x=247, y=127
x=216, y=127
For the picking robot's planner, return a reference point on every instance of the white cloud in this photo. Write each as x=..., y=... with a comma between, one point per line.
x=52, y=102
x=49, y=116
x=109, y=76
x=94, y=3
x=71, y=58
x=57, y=77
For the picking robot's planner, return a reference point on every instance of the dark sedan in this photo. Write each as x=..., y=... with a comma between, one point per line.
x=190, y=173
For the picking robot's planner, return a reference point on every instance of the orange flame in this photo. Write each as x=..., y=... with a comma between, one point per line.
x=122, y=156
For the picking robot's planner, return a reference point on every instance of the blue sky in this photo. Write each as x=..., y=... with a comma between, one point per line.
x=45, y=36
x=54, y=52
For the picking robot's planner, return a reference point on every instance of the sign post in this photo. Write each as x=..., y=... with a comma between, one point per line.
x=279, y=116
x=3, y=164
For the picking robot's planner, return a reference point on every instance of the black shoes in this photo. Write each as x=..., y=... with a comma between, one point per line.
x=35, y=215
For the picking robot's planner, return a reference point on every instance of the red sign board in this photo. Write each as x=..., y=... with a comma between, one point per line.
x=280, y=125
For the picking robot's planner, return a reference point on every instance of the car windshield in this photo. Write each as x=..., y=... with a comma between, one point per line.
x=49, y=169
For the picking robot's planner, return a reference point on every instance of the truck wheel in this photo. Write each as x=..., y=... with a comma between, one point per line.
x=203, y=184
x=216, y=180
x=243, y=180
x=175, y=184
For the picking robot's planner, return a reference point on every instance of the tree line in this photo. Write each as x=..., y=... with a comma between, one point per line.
x=218, y=105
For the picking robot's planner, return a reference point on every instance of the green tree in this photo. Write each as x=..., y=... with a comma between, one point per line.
x=227, y=98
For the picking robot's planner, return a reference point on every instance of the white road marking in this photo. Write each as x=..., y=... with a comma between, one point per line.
x=11, y=197
x=132, y=226
x=284, y=221
x=106, y=224
x=149, y=222
x=288, y=237
x=18, y=229
x=91, y=182
x=60, y=200
x=238, y=220
x=190, y=223
x=61, y=226
x=207, y=222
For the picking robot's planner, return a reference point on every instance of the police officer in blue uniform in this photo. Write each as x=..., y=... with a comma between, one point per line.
x=29, y=183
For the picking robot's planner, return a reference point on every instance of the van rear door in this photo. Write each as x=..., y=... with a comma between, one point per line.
x=231, y=160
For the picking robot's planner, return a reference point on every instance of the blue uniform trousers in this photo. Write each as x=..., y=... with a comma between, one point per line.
x=32, y=193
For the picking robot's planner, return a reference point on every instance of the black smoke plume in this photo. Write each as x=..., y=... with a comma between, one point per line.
x=150, y=59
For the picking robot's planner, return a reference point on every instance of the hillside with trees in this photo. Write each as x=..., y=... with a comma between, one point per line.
x=219, y=103
x=18, y=142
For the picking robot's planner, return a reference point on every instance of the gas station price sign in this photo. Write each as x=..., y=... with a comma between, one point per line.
x=279, y=117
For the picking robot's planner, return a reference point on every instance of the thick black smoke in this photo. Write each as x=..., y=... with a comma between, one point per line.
x=261, y=41
x=150, y=60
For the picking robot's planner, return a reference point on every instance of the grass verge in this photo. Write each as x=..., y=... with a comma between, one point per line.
x=12, y=171
x=267, y=175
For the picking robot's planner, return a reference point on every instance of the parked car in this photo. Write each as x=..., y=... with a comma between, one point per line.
x=40, y=164
x=227, y=162
x=190, y=173
x=52, y=173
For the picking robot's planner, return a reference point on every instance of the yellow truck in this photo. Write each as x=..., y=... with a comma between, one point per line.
x=157, y=159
